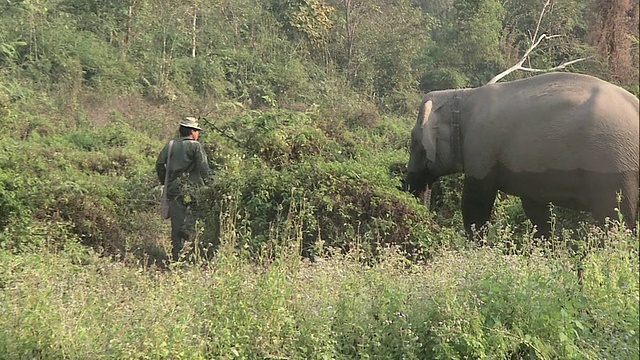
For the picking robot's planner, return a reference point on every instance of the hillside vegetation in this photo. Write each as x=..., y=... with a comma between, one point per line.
x=307, y=245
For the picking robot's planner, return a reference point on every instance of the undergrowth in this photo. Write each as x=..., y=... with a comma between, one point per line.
x=467, y=303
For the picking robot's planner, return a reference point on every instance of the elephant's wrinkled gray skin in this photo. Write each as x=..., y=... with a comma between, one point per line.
x=563, y=138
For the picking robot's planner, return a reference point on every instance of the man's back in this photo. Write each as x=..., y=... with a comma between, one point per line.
x=187, y=158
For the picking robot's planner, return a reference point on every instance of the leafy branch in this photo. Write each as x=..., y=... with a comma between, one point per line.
x=221, y=131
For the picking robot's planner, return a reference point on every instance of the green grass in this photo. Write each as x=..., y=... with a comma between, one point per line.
x=473, y=303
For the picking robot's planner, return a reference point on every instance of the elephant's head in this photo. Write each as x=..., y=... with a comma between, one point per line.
x=435, y=145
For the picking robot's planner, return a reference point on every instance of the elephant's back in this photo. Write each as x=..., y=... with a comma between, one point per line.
x=556, y=121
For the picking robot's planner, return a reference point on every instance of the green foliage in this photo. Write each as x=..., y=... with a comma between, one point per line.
x=206, y=77
x=442, y=79
x=563, y=18
x=348, y=194
x=472, y=36
x=14, y=214
x=76, y=179
x=243, y=69
x=382, y=69
x=9, y=51
x=475, y=303
x=309, y=20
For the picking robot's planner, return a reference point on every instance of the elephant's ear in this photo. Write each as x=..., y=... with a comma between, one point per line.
x=429, y=130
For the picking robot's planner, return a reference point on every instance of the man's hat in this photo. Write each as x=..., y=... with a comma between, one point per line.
x=190, y=122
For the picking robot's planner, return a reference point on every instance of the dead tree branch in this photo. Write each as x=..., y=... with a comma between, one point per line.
x=535, y=41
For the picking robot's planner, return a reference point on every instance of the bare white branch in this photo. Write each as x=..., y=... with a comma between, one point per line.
x=535, y=41
x=544, y=8
x=559, y=67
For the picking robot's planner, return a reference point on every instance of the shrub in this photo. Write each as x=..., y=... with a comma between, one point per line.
x=76, y=179
x=442, y=79
x=347, y=195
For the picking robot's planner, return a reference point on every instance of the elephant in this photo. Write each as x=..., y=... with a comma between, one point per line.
x=562, y=138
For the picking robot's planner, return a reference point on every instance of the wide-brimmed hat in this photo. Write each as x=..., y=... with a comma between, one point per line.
x=190, y=122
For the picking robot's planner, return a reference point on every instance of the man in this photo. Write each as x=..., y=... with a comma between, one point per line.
x=187, y=168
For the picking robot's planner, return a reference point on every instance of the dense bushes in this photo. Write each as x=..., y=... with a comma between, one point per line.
x=75, y=177
x=287, y=161
x=92, y=179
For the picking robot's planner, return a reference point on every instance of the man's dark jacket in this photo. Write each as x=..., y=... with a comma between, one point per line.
x=188, y=158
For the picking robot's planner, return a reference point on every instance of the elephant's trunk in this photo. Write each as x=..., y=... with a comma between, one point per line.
x=415, y=183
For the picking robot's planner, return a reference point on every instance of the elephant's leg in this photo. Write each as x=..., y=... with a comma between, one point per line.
x=607, y=205
x=629, y=202
x=540, y=216
x=603, y=199
x=478, y=197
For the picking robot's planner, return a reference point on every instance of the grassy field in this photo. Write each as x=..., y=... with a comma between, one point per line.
x=475, y=303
